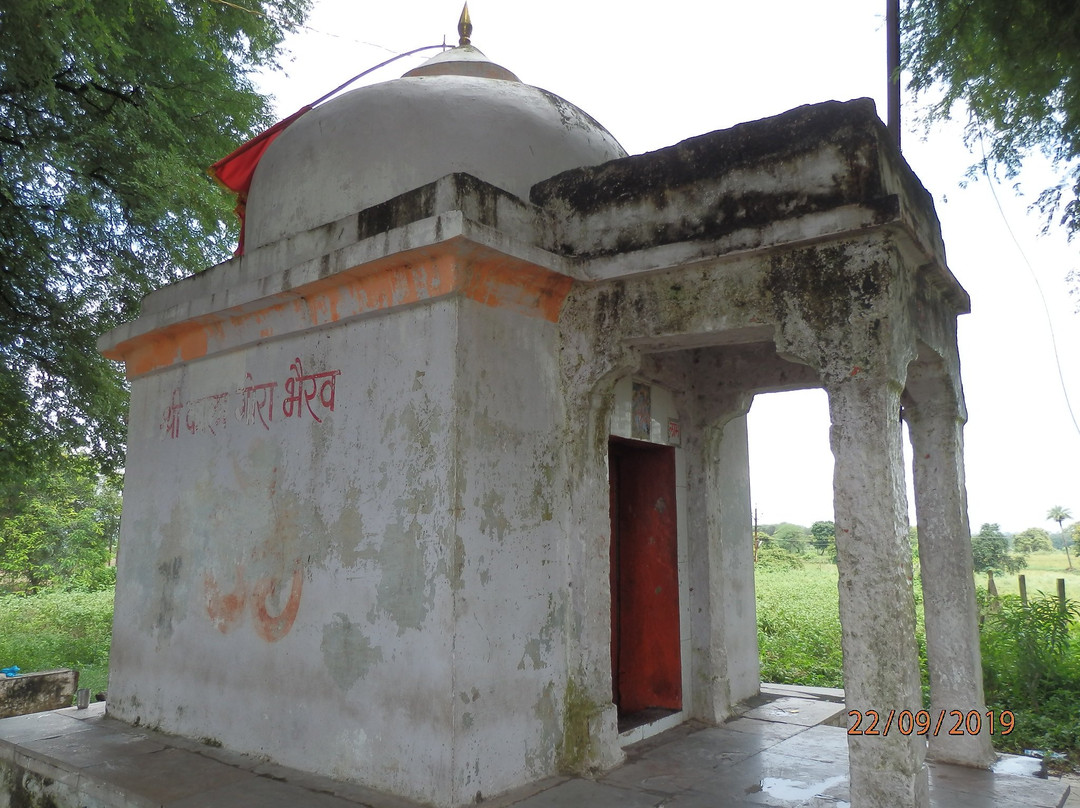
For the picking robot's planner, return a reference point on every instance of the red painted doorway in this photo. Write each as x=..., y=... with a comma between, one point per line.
x=646, y=664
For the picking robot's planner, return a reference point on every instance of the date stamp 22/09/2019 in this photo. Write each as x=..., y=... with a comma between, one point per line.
x=921, y=722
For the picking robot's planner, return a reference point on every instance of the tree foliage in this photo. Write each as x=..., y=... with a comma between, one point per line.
x=790, y=537
x=110, y=112
x=822, y=536
x=1032, y=540
x=1013, y=67
x=1059, y=515
x=58, y=527
x=990, y=551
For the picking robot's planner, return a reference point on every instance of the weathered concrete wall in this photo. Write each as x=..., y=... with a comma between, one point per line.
x=509, y=579
x=285, y=571
x=370, y=514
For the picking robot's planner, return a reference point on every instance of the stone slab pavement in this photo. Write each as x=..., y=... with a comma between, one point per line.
x=787, y=750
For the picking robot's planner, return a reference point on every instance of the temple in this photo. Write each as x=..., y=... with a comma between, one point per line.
x=442, y=486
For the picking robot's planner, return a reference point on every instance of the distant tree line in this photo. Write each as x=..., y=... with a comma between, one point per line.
x=993, y=551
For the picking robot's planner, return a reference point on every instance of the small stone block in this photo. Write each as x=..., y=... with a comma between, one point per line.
x=37, y=692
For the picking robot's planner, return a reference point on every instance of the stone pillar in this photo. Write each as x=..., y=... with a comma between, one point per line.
x=877, y=609
x=724, y=651
x=952, y=628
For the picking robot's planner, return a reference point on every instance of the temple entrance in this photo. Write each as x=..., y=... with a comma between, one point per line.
x=646, y=665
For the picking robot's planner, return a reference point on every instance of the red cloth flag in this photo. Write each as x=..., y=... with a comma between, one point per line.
x=236, y=170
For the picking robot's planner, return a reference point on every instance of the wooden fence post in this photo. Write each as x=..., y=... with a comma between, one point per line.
x=1023, y=590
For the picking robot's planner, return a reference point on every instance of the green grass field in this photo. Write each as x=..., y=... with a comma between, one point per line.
x=1042, y=573
x=59, y=630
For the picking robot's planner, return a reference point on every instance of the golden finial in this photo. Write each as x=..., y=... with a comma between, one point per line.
x=464, y=27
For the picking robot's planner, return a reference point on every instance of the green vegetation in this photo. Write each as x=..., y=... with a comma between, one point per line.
x=990, y=550
x=58, y=534
x=109, y=115
x=799, y=625
x=59, y=630
x=1032, y=540
x=1031, y=666
x=1031, y=655
x=823, y=537
x=59, y=528
x=1059, y=515
x=1012, y=69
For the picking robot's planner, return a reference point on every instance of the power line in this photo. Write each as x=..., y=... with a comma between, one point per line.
x=257, y=13
x=1038, y=286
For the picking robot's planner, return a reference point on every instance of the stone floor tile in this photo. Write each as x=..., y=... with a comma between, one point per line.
x=771, y=731
x=709, y=748
x=666, y=776
x=590, y=794
x=159, y=778
x=96, y=710
x=947, y=798
x=261, y=792
x=93, y=761
x=521, y=794
x=792, y=710
x=35, y=726
x=697, y=799
x=353, y=793
x=770, y=778
x=1033, y=792
x=828, y=744
x=83, y=749
x=803, y=691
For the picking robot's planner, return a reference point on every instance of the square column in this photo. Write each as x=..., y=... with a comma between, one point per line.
x=951, y=614
x=877, y=608
x=724, y=652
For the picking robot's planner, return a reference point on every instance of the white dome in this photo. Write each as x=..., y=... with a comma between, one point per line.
x=377, y=142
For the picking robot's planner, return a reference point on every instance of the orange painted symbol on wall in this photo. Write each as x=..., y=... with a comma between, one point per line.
x=227, y=609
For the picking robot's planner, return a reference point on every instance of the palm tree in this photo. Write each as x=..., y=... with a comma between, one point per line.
x=1059, y=515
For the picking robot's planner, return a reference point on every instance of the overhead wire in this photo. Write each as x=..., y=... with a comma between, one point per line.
x=1038, y=286
x=257, y=13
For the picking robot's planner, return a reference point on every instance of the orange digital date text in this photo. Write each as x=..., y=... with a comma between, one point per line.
x=921, y=722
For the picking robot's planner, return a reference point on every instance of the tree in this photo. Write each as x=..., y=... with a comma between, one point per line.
x=990, y=553
x=58, y=527
x=1013, y=66
x=792, y=538
x=822, y=536
x=1059, y=515
x=1032, y=540
x=110, y=112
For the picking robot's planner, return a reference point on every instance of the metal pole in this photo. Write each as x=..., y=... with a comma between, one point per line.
x=892, y=25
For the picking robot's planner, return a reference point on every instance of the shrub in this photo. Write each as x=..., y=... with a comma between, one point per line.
x=1031, y=666
x=59, y=630
x=777, y=558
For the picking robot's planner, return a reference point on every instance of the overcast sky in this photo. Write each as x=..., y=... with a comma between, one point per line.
x=656, y=74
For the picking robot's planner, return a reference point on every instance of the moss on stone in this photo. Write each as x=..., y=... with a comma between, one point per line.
x=578, y=745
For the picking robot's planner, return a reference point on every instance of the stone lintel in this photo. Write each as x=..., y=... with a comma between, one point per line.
x=810, y=174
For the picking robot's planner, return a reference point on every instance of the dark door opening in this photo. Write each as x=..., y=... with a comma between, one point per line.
x=646, y=664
